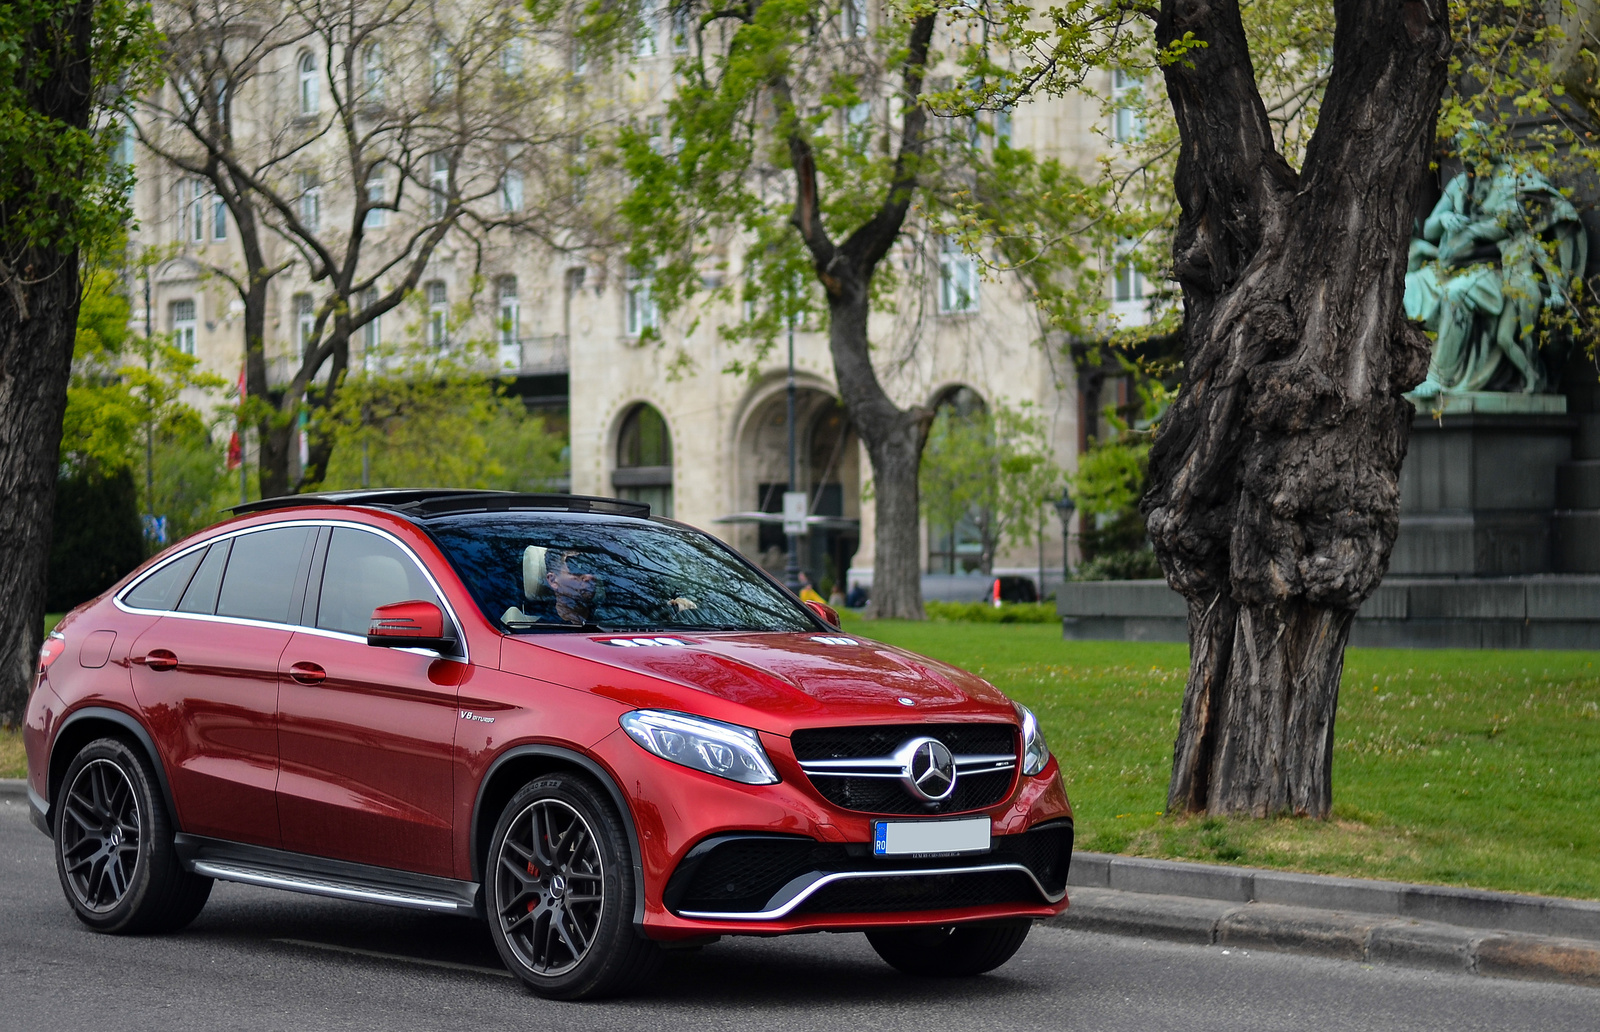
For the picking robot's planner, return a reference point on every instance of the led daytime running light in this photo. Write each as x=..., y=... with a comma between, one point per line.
x=1035, y=753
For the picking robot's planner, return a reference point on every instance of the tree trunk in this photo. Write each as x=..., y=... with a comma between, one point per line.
x=35, y=365
x=1274, y=498
x=39, y=296
x=894, y=438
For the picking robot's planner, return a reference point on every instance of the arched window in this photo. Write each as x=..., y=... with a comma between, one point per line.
x=310, y=90
x=644, y=460
x=373, y=67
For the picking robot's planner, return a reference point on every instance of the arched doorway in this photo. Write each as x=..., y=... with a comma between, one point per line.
x=827, y=469
x=956, y=549
x=643, y=471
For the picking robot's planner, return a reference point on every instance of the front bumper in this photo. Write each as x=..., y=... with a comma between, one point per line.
x=830, y=880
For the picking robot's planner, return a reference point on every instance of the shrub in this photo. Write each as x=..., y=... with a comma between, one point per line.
x=984, y=612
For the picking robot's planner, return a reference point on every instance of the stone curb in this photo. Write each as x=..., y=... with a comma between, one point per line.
x=1369, y=938
x=13, y=788
x=1439, y=904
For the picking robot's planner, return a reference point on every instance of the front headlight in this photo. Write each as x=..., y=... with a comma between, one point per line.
x=726, y=750
x=1035, y=754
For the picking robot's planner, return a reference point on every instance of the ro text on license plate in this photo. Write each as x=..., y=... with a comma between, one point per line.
x=904, y=838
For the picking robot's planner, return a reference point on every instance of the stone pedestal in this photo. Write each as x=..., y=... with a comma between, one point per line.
x=1577, y=516
x=1478, y=488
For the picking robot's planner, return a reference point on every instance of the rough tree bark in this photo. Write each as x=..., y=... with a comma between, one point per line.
x=893, y=436
x=39, y=297
x=1275, y=477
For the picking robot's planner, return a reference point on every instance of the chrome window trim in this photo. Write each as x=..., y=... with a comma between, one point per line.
x=793, y=895
x=241, y=621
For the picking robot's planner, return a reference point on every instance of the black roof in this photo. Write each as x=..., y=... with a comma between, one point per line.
x=440, y=501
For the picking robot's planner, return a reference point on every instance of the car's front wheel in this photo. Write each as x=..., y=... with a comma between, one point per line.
x=113, y=841
x=950, y=951
x=559, y=891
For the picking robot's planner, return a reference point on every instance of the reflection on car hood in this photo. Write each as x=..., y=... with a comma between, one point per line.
x=775, y=682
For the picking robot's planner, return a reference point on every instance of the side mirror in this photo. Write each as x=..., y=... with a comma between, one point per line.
x=409, y=625
x=826, y=612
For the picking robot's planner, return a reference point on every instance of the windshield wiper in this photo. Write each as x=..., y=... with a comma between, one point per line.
x=559, y=628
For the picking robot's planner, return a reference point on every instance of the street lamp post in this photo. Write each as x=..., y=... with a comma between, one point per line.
x=1064, y=509
x=792, y=528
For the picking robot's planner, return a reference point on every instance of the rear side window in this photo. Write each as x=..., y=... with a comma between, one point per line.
x=261, y=573
x=363, y=572
x=201, y=595
x=163, y=588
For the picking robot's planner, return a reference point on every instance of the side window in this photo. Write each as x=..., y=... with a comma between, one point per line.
x=162, y=589
x=260, y=579
x=363, y=572
x=201, y=595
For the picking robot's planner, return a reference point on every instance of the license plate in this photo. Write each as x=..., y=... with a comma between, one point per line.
x=907, y=838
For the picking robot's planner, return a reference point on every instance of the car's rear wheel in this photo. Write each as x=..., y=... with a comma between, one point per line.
x=559, y=891
x=114, y=850
x=950, y=951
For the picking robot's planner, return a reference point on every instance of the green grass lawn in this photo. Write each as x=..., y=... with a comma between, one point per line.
x=1477, y=768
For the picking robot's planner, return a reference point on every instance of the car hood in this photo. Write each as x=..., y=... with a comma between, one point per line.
x=774, y=682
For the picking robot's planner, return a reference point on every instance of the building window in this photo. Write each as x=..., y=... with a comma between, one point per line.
x=958, y=279
x=377, y=193
x=439, y=193
x=219, y=218
x=642, y=313
x=511, y=58
x=858, y=126
x=1128, y=296
x=372, y=330
x=1002, y=127
x=854, y=19
x=510, y=312
x=372, y=67
x=438, y=314
x=649, y=29
x=311, y=201
x=443, y=75
x=680, y=28
x=511, y=191
x=310, y=89
x=305, y=319
x=1126, y=123
x=644, y=460
x=192, y=210
x=183, y=326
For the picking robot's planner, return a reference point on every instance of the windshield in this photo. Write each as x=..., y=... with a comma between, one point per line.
x=531, y=573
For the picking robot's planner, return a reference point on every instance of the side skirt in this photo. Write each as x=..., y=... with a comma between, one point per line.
x=318, y=876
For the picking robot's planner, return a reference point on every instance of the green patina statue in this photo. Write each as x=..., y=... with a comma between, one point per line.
x=1496, y=251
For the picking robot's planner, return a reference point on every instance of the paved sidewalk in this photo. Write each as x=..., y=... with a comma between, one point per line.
x=1495, y=934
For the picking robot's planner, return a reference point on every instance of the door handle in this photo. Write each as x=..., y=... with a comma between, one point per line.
x=158, y=659
x=308, y=673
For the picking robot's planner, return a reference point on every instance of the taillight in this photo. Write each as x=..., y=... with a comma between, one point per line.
x=53, y=647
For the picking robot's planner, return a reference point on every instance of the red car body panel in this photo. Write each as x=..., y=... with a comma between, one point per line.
x=318, y=744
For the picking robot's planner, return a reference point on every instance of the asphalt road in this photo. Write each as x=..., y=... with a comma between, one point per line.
x=258, y=959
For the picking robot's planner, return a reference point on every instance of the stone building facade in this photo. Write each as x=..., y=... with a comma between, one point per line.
x=660, y=420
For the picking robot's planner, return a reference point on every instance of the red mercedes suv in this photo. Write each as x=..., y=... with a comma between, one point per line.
x=598, y=730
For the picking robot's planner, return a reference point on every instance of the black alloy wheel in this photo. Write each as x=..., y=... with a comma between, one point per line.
x=951, y=951
x=113, y=839
x=560, y=893
x=100, y=835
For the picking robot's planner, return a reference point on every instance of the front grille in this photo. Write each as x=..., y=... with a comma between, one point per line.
x=923, y=892
x=742, y=873
x=886, y=795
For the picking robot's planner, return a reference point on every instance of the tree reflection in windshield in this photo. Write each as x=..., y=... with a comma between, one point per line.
x=533, y=572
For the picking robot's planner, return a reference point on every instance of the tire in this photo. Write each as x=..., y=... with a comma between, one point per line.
x=113, y=845
x=559, y=893
x=950, y=951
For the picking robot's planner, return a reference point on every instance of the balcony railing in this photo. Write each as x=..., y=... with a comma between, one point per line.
x=538, y=355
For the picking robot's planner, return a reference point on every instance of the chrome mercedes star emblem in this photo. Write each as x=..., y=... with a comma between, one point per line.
x=927, y=769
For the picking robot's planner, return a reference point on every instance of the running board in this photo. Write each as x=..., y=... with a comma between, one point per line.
x=317, y=876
